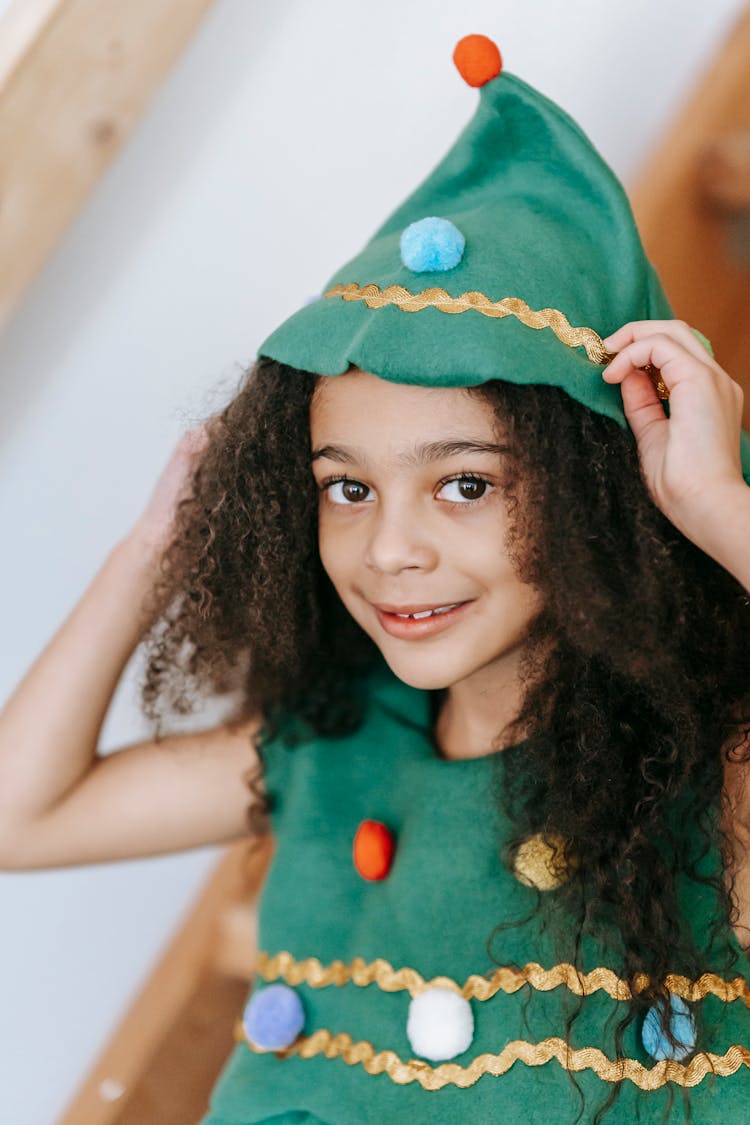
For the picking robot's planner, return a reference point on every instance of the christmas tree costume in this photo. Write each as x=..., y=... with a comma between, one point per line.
x=376, y=999
x=397, y=1012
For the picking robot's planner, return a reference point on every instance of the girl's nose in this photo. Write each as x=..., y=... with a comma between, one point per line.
x=398, y=542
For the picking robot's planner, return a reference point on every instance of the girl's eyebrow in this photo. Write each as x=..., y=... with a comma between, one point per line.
x=419, y=455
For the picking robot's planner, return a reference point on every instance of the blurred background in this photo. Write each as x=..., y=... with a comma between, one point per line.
x=176, y=177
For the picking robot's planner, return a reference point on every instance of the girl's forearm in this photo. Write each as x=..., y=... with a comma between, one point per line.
x=727, y=532
x=50, y=724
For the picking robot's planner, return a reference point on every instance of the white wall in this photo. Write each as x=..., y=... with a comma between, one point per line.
x=281, y=141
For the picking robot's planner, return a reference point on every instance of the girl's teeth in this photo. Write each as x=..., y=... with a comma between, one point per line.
x=426, y=612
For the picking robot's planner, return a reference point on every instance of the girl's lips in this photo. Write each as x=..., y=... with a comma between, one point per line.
x=409, y=629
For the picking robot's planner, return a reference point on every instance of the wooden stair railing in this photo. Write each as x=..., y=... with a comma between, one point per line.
x=75, y=78
x=692, y=204
x=161, y=1063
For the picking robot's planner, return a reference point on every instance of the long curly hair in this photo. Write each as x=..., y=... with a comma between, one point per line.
x=636, y=671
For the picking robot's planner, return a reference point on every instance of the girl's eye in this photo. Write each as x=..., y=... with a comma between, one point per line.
x=344, y=491
x=468, y=487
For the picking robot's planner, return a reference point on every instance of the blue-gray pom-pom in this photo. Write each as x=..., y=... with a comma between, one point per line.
x=432, y=245
x=682, y=1026
x=273, y=1017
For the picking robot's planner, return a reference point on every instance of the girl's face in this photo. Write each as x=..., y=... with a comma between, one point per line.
x=412, y=517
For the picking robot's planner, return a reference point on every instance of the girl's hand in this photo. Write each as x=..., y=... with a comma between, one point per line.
x=690, y=461
x=153, y=528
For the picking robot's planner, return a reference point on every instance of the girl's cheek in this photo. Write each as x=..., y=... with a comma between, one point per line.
x=332, y=550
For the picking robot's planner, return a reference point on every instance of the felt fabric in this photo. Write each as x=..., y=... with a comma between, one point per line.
x=432, y=916
x=545, y=221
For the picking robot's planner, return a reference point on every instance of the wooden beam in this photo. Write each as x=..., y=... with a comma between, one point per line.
x=175, y=1087
x=216, y=937
x=695, y=239
x=726, y=172
x=75, y=77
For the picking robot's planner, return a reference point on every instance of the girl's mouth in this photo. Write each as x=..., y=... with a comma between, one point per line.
x=422, y=624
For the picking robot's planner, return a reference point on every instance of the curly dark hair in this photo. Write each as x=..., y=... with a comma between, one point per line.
x=636, y=673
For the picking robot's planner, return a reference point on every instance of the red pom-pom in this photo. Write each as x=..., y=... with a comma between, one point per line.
x=373, y=850
x=478, y=59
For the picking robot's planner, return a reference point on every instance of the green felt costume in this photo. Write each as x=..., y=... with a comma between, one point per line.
x=511, y=260
x=430, y=917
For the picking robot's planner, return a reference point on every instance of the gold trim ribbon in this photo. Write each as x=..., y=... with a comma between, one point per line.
x=531, y=1054
x=506, y=979
x=311, y=971
x=436, y=298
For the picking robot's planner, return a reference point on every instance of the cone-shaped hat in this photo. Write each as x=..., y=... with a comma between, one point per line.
x=512, y=260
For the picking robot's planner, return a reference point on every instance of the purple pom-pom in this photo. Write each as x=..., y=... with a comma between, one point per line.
x=273, y=1017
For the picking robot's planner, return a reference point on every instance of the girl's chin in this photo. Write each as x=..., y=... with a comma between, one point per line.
x=422, y=676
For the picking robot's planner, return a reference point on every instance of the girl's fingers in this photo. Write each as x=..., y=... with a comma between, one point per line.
x=690, y=458
x=643, y=409
x=676, y=363
x=681, y=332
x=155, y=522
x=697, y=376
x=196, y=440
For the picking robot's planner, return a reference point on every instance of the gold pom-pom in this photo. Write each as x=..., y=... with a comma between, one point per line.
x=540, y=862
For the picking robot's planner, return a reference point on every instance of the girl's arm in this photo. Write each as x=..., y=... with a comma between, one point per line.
x=691, y=460
x=691, y=465
x=60, y=801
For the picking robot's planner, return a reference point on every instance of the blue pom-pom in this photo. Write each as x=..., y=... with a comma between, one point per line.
x=273, y=1017
x=682, y=1026
x=431, y=245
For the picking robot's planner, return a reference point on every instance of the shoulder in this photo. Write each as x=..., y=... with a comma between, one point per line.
x=381, y=697
x=736, y=758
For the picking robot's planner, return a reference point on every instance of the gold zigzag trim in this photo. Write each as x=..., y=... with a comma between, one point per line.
x=441, y=299
x=503, y=979
x=531, y=1054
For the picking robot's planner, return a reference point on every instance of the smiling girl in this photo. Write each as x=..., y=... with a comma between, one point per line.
x=480, y=584
x=411, y=529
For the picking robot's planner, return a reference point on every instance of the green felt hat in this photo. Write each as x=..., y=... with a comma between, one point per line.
x=512, y=260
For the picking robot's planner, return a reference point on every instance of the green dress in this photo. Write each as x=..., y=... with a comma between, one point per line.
x=359, y=952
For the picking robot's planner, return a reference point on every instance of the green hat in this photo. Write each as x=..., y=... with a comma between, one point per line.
x=512, y=260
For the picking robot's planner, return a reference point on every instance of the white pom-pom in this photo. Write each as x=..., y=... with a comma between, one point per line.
x=440, y=1023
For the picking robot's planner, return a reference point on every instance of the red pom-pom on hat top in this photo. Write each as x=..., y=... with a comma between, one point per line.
x=478, y=59
x=373, y=850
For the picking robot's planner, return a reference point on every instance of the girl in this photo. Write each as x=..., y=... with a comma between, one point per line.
x=491, y=662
